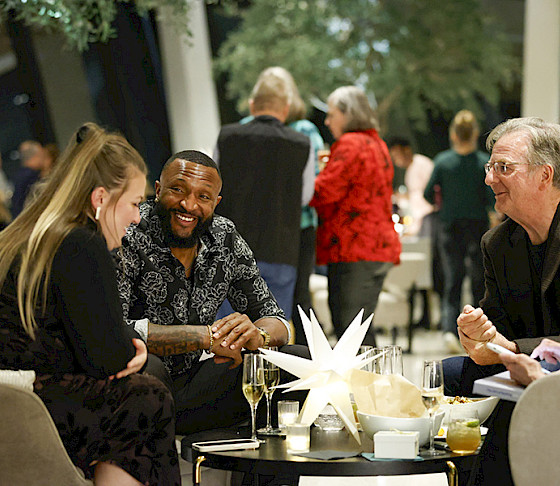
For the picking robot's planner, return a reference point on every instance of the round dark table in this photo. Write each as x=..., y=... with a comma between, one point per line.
x=272, y=458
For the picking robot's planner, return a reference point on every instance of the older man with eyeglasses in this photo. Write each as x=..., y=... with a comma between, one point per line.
x=521, y=304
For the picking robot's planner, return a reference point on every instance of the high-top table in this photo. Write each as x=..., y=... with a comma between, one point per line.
x=272, y=459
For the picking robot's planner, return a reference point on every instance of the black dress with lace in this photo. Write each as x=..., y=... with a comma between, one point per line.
x=80, y=341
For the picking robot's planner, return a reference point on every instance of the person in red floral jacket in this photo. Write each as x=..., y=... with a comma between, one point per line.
x=356, y=237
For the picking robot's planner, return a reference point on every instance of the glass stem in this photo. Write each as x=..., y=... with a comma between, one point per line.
x=268, y=419
x=254, y=422
x=432, y=420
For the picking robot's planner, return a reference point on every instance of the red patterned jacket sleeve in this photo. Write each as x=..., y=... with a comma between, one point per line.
x=353, y=201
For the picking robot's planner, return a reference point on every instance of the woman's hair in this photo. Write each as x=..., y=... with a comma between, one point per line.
x=93, y=158
x=465, y=126
x=353, y=103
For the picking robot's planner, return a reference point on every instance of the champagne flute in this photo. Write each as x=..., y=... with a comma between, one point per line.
x=271, y=381
x=253, y=385
x=432, y=395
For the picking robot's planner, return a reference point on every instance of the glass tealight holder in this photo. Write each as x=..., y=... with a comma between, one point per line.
x=328, y=419
x=297, y=438
x=288, y=411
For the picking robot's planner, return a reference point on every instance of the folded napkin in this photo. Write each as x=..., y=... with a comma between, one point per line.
x=386, y=395
x=21, y=378
x=370, y=456
x=328, y=455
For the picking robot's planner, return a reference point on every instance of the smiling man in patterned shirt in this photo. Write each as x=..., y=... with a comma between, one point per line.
x=175, y=269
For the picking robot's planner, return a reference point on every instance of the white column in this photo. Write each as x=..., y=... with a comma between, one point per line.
x=541, y=65
x=190, y=92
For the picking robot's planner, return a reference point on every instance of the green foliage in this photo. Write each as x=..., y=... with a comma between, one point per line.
x=85, y=21
x=414, y=56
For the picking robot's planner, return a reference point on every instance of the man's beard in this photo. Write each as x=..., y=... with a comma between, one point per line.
x=170, y=238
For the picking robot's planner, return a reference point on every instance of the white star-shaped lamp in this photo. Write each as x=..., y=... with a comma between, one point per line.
x=327, y=374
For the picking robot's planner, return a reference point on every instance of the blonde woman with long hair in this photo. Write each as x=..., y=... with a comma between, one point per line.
x=60, y=315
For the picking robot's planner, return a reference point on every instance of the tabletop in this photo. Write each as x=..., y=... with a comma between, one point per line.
x=272, y=457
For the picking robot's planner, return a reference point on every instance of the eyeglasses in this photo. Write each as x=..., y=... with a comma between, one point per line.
x=502, y=168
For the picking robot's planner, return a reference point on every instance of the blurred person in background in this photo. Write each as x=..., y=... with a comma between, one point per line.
x=418, y=169
x=458, y=177
x=309, y=221
x=356, y=237
x=268, y=170
x=424, y=219
x=306, y=261
x=33, y=160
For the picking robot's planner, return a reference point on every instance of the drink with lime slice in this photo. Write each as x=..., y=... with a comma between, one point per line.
x=463, y=433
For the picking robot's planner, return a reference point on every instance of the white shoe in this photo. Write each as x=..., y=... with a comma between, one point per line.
x=452, y=343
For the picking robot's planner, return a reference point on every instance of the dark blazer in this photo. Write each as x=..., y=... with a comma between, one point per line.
x=262, y=164
x=508, y=301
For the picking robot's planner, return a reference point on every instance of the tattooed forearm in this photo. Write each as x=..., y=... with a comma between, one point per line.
x=168, y=340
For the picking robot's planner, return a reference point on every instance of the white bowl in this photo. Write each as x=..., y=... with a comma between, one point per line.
x=374, y=423
x=484, y=407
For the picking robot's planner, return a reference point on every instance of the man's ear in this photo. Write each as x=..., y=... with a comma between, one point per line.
x=157, y=186
x=547, y=174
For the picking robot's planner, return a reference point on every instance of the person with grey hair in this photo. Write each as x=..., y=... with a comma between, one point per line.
x=522, y=272
x=356, y=237
x=306, y=258
x=268, y=171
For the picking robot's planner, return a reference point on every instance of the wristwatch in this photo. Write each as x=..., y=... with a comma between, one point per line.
x=265, y=335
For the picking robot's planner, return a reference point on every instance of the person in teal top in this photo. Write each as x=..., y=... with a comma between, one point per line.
x=306, y=263
x=457, y=188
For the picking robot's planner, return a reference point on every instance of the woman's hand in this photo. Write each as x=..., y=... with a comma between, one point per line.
x=136, y=363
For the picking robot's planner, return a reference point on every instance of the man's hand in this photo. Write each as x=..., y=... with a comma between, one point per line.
x=522, y=368
x=225, y=355
x=475, y=325
x=548, y=350
x=236, y=331
x=477, y=350
x=136, y=363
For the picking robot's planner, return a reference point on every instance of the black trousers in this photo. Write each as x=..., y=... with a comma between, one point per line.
x=460, y=241
x=354, y=286
x=210, y=395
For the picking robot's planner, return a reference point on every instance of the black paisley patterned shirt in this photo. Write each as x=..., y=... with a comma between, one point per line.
x=153, y=284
